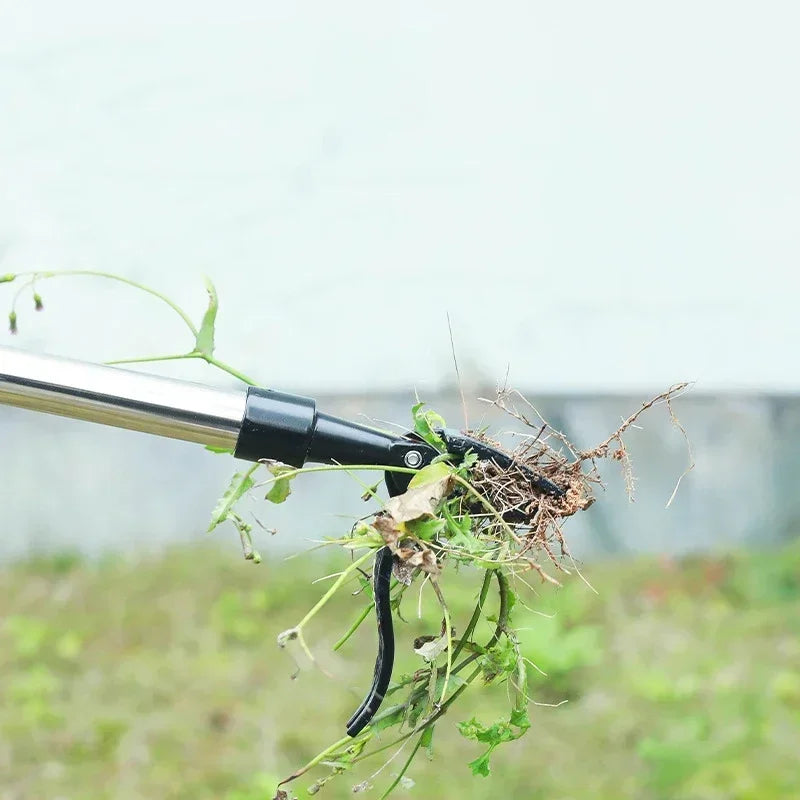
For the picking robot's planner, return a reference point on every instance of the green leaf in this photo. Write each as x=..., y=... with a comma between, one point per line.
x=520, y=718
x=455, y=682
x=431, y=474
x=459, y=524
x=426, y=741
x=394, y=717
x=480, y=766
x=281, y=489
x=424, y=424
x=492, y=736
x=469, y=729
x=511, y=601
x=204, y=343
x=239, y=485
x=426, y=529
x=469, y=460
x=414, y=710
x=460, y=532
x=500, y=660
x=225, y=450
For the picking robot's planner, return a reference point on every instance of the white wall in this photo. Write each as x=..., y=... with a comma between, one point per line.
x=603, y=195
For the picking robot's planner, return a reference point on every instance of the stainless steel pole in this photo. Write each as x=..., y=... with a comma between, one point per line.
x=121, y=398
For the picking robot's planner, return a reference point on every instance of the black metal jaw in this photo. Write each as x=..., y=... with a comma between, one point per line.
x=288, y=428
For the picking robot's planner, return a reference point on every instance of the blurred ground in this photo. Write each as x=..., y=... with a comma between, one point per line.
x=160, y=678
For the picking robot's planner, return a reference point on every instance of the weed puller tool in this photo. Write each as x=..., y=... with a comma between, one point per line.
x=254, y=424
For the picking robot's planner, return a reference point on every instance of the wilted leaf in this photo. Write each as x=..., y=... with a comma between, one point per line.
x=416, y=555
x=403, y=572
x=239, y=485
x=424, y=559
x=420, y=501
x=388, y=530
x=430, y=650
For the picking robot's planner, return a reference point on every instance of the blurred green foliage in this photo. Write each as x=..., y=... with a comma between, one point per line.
x=160, y=678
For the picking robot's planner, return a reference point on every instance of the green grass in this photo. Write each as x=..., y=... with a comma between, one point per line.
x=161, y=679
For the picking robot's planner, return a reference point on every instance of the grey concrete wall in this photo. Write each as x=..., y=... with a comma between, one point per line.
x=67, y=485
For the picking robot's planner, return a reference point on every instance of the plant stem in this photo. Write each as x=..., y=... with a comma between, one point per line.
x=110, y=276
x=404, y=768
x=210, y=359
x=447, y=703
x=448, y=634
x=430, y=721
x=502, y=614
x=146, y=359
x=317, y=758
x=476, y=614
x=334, y=587
x=354, y=627
x=332, y=468
x=215, y=362
x=502, y=621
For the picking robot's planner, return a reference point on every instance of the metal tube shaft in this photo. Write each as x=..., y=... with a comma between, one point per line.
x=121, y=398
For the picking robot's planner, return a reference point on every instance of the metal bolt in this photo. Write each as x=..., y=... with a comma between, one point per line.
x=413, y=458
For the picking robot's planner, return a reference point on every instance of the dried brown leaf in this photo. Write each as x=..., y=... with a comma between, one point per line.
x=419, y=501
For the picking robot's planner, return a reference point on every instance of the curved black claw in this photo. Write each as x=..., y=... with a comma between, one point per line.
x=381, y=582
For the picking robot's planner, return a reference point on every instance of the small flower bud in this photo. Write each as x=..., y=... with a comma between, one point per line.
x=37, y=301
x=7, y=278
x=12, y=322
